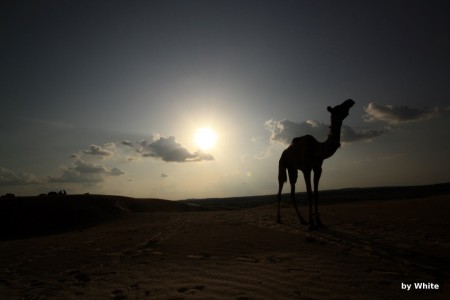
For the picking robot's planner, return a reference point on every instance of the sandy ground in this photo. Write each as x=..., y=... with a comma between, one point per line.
x=368, y=250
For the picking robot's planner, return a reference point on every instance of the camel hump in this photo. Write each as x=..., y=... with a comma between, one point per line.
x=304, y=139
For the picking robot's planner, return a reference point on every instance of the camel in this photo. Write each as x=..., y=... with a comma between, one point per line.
x=307, y=154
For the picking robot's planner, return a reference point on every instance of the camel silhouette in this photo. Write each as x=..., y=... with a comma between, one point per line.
x=307, y=154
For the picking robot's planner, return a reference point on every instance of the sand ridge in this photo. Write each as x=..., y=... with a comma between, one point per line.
x=367, y=251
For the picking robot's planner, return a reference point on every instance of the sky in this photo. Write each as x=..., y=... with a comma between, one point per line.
x=107, y=96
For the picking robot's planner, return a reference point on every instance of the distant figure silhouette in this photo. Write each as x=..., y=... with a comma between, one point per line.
x=307, y=154
x=8, y=196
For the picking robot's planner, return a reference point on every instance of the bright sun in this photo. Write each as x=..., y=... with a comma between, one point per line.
x=205, y=138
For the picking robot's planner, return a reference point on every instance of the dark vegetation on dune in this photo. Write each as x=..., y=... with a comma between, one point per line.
x=24, y=217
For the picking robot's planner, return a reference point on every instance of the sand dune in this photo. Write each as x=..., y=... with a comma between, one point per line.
x=24, y=217
x=167, y=250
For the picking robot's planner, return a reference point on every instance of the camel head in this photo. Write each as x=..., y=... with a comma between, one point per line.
x=340, y=112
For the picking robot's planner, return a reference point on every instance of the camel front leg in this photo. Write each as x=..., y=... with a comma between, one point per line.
x=302, y=221
x=280, y=188
x=307, y=176
x=293, y=180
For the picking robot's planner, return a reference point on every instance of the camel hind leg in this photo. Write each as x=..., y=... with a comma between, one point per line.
x=317, y=174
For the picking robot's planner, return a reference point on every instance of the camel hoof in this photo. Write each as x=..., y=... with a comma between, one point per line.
x=319, y=224
x=312, y=227
x=279, y=221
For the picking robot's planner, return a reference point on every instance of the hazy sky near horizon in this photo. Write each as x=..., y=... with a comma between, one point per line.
x=106, y=96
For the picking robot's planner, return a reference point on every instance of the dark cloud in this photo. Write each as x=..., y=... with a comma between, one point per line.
x=397, y=114
x=284, y=131
x=8, y=177
x=127, y=143
x=85, y=172
x=164, y=175
x=97, y=151
x=84, y=167
x=169, y=150
x=115, y=172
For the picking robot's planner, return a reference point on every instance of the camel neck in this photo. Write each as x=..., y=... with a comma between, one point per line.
x=333, y=141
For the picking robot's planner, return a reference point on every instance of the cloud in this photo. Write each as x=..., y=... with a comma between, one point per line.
x=169, y=150
x=348, y=135
x=85, y=172
x=84, y=167
x=8, y=177
x=97, y=151
x=127, y=143
x=397, y=114
x=115, y=172
x=284, y=131
x=164, y=175
x=72, y=176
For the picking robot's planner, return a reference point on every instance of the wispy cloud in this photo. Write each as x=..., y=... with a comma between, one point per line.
x=394, y=115
x=70, y=175
x=8, y=177
x=348, y=135
x=284, y=131
x=85, y=172
x=97, y=151
x=169, y=150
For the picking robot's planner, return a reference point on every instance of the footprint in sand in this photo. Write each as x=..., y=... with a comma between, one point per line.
x=275, y=258
x=36, y=283
x=310, y=239
x=79, y=276
x=151, y=243
x=118, y=295
x=192, y=290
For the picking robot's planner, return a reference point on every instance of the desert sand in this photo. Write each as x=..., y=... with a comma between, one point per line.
x=156, y=249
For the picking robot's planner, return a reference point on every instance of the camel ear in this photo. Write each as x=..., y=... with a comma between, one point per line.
x=330, y=109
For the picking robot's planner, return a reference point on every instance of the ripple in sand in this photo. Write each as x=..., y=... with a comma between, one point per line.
x=247, y=259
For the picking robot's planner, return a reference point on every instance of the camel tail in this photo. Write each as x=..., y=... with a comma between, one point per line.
x=282, y=177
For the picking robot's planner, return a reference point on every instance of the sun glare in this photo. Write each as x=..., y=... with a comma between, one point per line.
x=205, y=138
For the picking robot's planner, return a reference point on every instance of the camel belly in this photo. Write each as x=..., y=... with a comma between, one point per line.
x=301, y=157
